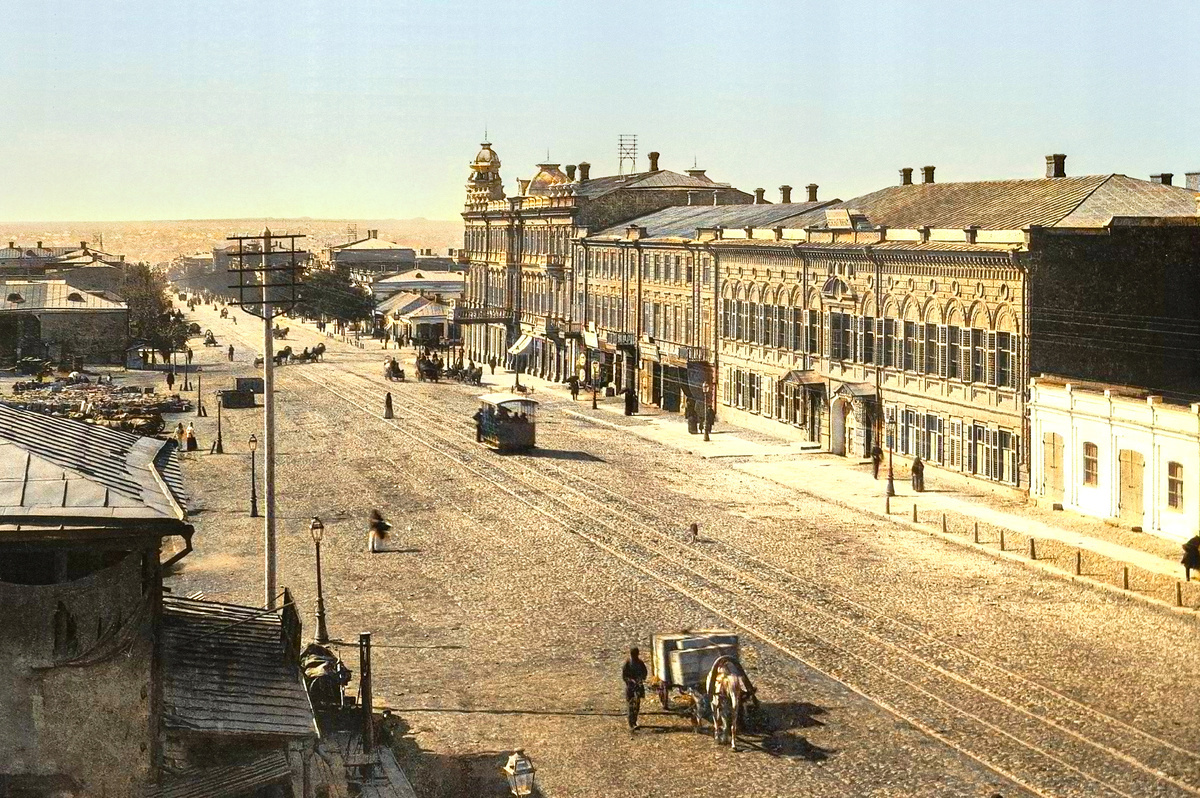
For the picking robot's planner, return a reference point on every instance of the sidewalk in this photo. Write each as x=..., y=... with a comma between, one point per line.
x=1076, y=547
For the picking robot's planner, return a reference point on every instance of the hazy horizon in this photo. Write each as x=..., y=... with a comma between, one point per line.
x=145, y=110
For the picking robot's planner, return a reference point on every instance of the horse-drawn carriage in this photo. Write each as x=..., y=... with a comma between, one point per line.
x=280, y=332
x=704, y=666
x=210, y=339
x=507, y=422
x=193, y=329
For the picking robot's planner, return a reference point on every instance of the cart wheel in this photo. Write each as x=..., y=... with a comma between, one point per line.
x=664, y=696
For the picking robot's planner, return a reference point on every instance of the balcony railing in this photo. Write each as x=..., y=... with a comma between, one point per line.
x=485, y=315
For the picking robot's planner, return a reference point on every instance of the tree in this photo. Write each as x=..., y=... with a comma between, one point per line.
x=325, y=293
x=151, y=319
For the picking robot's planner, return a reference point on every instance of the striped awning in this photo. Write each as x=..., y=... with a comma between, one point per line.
x=522, y=345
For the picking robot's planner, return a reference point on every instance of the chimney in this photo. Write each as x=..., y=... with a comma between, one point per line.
x=1165, y=178
x=927, y=171
x=522, y=186
x=39, y=245
x=906, y=176
x=758, y=196
x=812, y=192
x=1193, y=182
x=571, y=172
x=83, y=245
x=654, y=162
x=697, y=173
x=785, y=194
x=584, y=169
x=12, y=244
x=1056, y=165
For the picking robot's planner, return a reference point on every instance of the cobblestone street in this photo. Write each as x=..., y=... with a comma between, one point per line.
x=889, y=662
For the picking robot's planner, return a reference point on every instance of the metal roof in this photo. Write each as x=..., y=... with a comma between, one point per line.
x=663, y=178
x=1084, y=201
x=225, y=781
x=227, y=669
x=682, y=221
x=401, y=302
x=51, y=295
x=56, y=473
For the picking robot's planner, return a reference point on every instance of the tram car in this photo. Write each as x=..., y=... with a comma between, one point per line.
x=508, y=422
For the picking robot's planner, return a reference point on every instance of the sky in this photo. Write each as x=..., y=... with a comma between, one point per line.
x=373, y=109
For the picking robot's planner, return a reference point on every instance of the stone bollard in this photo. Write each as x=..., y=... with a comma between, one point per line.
x=976, y=531
x=914, y=512
x=387, y=405
x=887, y=504
x=1032, y=549
x=1001, y=538
x=1179, y=594
x=1078, y=563
x=1125, y=576
x=944, y=529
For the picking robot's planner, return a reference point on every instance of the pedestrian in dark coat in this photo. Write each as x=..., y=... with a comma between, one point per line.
x=634, y=674
x=876, y=460
x=492, y=364
x=478, y=425
x=170, y=379
x=918, y=475
x=631, y=402
x=1191, y=557
x=573, y=385
x=231, y=353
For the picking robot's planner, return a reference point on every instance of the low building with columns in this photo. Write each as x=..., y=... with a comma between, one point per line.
x=521, y=287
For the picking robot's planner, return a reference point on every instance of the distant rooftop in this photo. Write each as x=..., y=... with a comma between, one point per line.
x=51, y=295
x=683, y=221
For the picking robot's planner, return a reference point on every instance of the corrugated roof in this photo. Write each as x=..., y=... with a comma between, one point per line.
x=225, y=781
x=227, y=670
x=1085, y=201
x=682, y=221
x=51, y=295
x=56, y=468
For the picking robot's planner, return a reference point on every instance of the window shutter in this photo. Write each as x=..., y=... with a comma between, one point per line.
x=955, y=444
x=826, y=331
x=860, y=341
x=919, y=354
x=1014, y=363
x=879, y=342
x=943, y=369
x=990, y=354
x=964, y=355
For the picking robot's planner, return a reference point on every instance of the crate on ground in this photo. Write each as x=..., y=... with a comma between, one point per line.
x=233, y=400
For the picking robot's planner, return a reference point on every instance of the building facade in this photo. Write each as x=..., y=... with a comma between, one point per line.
x=521, y=304
x=1116, y=454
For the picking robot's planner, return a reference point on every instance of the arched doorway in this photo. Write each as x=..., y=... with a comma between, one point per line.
x=839, y=412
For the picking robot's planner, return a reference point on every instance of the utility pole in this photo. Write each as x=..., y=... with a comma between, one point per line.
x=267, y=291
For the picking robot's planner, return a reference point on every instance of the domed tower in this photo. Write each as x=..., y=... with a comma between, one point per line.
x=484, y=183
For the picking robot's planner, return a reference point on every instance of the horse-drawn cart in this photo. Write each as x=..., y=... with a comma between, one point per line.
x=704, y=666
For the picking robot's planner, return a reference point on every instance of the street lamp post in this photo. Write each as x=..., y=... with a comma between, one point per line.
x=891, y=422
x=253, y=479
x=220, y=441
x=317, y=529
x=704, y=421
x=521, y=773
x=199, y=399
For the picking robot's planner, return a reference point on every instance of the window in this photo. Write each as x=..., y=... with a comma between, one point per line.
x=1175, y=485
x=931, y=349
x=910, y=345
x=868, y=345
x=813, y=325
x=797, y=330
x=726, y=318
x=839, y=331
x=952, y=340
x=889, y=346
x=1005, y=359
x=1091, y=464
x=978, y=355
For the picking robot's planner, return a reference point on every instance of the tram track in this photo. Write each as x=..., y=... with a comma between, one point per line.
x=1065, y=761
x=1049, y=743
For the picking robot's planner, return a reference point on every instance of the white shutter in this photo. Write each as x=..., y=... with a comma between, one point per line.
x=860, y=342
x=955, y=444
x=827, y=332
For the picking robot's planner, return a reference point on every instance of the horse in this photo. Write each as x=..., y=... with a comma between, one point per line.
x=283, y=356
x=727, y=688
x=318, y=351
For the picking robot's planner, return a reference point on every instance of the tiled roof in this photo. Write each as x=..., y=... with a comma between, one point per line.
x=227, y=669
x=225, y=781
x=51, y=295
x=1086, y=201
x=83, y=476
x=682, y=221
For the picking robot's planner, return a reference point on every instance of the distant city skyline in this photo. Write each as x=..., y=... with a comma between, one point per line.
x=140, y=110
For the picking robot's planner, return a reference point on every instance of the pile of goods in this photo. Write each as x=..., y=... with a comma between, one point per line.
x=128, y=408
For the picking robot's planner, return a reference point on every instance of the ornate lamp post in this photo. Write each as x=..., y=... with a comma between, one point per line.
x=220, y=440
x=317, y=529
x=253, y=479
x=520, y=772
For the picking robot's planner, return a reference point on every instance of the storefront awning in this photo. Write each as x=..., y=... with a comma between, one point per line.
x=523, y=344
x=804, y=377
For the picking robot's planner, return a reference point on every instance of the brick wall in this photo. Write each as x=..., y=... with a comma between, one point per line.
x=98, y=337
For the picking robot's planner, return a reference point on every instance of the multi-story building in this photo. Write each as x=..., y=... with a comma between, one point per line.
x=370, y=258
x=522, y=286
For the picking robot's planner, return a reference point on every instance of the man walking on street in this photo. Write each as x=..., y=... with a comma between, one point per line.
x=573, y=385
x=231, y=353
x=170, y=380
x=876, y=460
x=918, y=475
x=634, y=673
x=492, y=364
